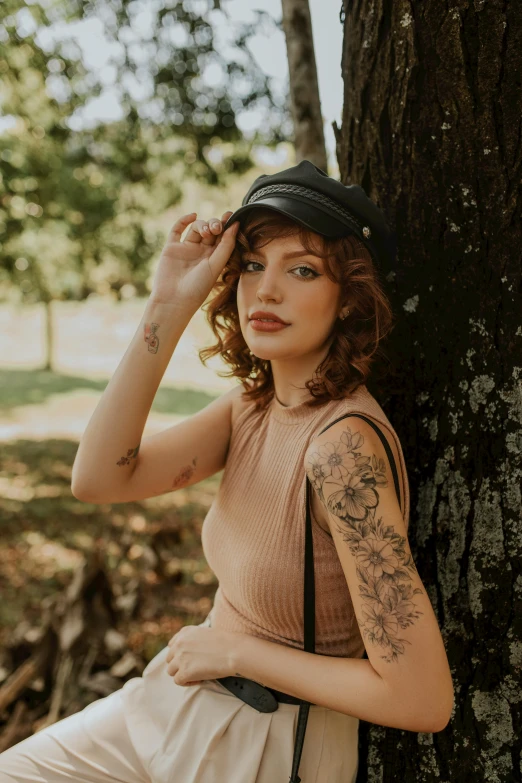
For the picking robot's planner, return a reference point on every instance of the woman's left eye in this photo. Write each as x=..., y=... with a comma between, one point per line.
x=309, y=269
x=314, y=274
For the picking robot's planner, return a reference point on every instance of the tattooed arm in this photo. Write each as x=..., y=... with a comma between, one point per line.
x=349, y=470
x=113, y=463
x=406, y=681
x=109, y=447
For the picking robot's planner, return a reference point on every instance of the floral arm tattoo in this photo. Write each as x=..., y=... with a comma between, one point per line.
x=382, y=564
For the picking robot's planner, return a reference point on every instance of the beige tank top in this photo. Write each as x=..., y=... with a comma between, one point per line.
x=253, y=533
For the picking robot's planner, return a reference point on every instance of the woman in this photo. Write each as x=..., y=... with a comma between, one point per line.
x=299, y=313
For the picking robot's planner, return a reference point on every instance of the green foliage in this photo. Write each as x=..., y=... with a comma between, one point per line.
x=79, y=204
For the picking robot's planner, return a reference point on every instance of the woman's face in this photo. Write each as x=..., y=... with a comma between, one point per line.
x=282, y=278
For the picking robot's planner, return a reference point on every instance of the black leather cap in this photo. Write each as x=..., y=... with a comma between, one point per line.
x=323, y=204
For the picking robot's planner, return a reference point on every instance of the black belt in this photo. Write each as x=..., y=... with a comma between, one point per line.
x=260, y=697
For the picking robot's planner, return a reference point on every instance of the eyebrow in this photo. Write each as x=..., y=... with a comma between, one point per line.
x=292, y=254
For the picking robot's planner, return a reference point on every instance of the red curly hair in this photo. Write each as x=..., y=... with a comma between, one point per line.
x=356, y=338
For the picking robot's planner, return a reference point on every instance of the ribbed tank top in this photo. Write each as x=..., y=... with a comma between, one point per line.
x=253, y=533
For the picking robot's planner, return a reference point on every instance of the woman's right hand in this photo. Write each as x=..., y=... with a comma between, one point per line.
x=188, y=269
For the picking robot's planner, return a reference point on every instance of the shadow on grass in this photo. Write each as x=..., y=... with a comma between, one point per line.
x=45, y=532
x=34, y=387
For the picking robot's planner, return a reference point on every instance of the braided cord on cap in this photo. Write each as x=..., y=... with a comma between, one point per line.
x=313, y=195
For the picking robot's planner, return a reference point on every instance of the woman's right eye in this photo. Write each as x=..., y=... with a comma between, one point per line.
x=244, y=264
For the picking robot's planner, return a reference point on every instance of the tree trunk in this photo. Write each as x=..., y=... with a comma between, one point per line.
x=431, y=128
x=49, y=336
x=309, y=140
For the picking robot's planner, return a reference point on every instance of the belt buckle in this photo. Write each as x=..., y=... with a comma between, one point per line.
x=251, y=692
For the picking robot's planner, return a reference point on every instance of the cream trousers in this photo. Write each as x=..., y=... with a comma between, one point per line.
x=155, y=731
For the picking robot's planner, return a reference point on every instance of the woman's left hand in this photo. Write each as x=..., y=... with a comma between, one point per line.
x=200, y=653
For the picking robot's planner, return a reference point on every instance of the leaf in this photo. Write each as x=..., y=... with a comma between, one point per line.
x=365, y=530
x=349, y=526
x=381, y=589
x=399, y=646
x=387, y=603
x=357, y=440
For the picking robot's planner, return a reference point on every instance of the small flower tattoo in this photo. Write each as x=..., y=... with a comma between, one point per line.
x=150, y=337
x=131, y=454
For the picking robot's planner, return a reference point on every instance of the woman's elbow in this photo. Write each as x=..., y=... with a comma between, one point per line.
x=441, y=724
x=438, y=717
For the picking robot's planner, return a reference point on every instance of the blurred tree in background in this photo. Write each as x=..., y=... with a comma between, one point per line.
x=79, y=201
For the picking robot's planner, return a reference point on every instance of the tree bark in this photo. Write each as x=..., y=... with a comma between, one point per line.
x=431, y=128
x=309, y=140
x=49, y=335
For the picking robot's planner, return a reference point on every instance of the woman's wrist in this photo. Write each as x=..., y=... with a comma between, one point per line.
x=162, y=326
x=177, y=309
x=239, y=650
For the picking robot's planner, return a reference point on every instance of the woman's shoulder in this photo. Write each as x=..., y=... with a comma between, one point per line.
x=360, y=402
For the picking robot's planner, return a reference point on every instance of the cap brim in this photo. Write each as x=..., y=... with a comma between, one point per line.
x=309, y=216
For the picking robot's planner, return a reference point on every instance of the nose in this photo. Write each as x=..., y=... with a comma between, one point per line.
x=267, y=289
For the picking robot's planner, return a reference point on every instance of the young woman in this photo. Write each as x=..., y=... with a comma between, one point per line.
x=299, y=312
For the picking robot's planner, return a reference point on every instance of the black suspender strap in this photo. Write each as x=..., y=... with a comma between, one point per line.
x=309, y=634
x=309, y=602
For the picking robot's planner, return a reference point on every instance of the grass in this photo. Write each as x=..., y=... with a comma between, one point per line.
x=34, y=387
